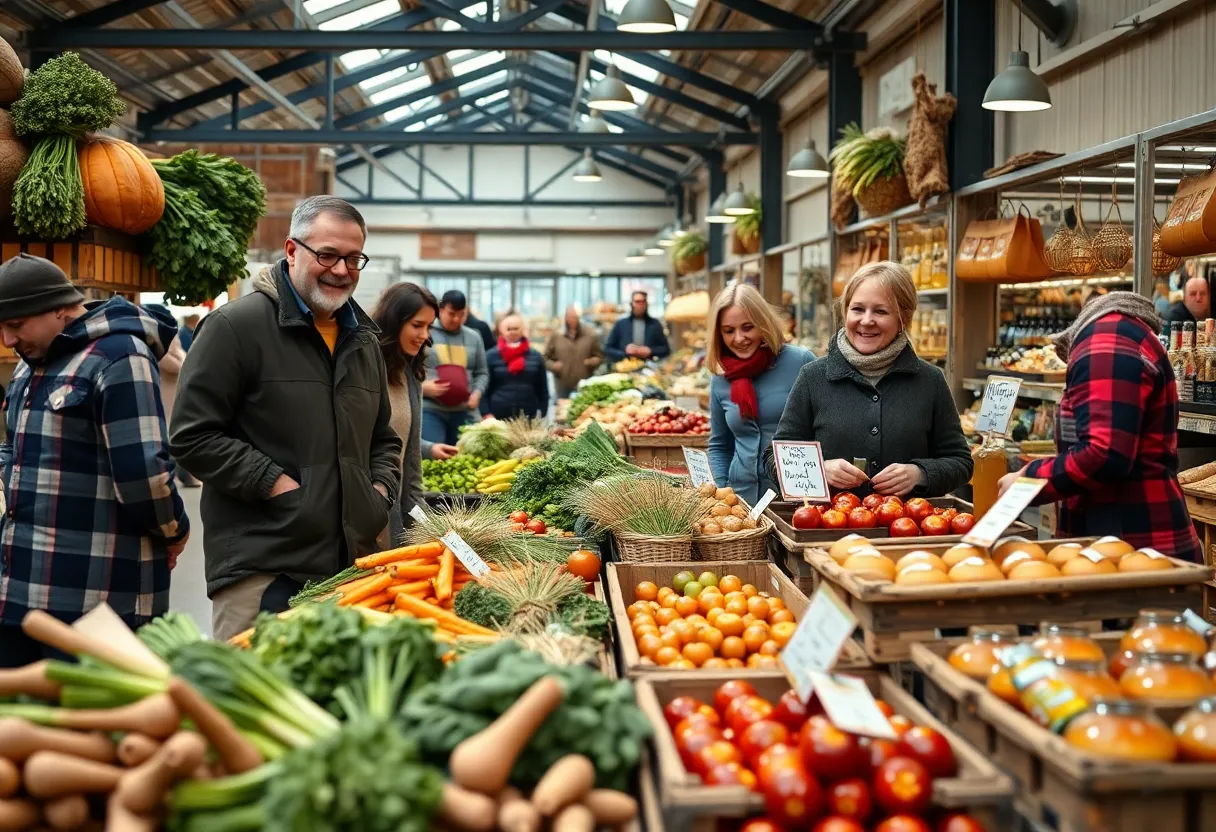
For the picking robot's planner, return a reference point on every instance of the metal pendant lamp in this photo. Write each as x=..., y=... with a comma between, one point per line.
x=587, y=170
x=808, y=163
x=635, y=255
x=736, y=204
x=652, y=249
x=1017, y=89
x=667, y=235
x=594, y=123
x=647, y=17
x=610, y=93
x=717, y=211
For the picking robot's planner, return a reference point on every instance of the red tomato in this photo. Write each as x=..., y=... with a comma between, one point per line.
x=905, y=527
x=776, y=756
x=880, y=751
x=935, y=525
x=759, y=737
x=835, y=823
x=918, y=508
x=715, y=754
x=760, y=825
x=792, y=797
x=903, y=785
x=901, y=724
x=693, y=741
x=728, y=691
x=730, y=774
x=902, y=823
x=930, y=749
x=959, y=823
x=791, y=711
x=963, y=523
x=536, y=526
x=745, y=710
x=806, y=517
x=872, y=502
x=846, y=501
x=861, y=518
x=851, y=799
x=683, y=707
x=834, y=519
x=888, y=513
x=829, y=752
x=949, y=514
x=891, y=498
x=518, y=517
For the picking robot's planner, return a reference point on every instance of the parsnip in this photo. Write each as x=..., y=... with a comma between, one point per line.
x=567, y=781
x=610, y=807
x=466, y=810
x=20, y=738
x=51, y=774
x=67, y=813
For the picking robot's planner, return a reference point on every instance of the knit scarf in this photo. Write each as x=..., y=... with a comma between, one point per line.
x=875, y=365
x=1125, y=303
x=513, y=355
x=740, y=372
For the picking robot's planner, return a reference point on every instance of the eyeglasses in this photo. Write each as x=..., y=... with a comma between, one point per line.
x=328, y=259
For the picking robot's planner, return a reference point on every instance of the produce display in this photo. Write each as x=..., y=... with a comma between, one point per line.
x=460, y=474
x=628, y=365
x=709, y=621
x=671, y=419
x=911, y=519
x=604, y=390
x=533, y=596
x=727, y=514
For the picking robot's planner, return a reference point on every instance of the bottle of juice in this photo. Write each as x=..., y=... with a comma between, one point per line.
x=1045, y=694
x=990, y=465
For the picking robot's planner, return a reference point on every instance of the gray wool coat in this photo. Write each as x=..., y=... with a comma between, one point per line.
x=908, y=417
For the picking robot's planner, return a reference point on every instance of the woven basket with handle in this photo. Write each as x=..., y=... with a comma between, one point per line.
x=1163, y=263
x=638, y=548
x=745, y=545
x=883, y=196
x=1112, y=245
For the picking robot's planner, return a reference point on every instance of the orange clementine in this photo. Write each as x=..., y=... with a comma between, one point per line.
x=715, y=664
x=783, y=631
x=711, y=636
x=698, y=653
x=708, y=600
x=635, y=609
x=666, y=655
x=778, y=616
x=647, y=630
x=730, y=624
x=665, y=617
x=735, y=662
x=670, y=639
x=775, y=603
x=749, y=590
x=753, y=637
x=731, y=596
x=645, y=661
x=770, y=648
x=684, y=630
x=646, y=591
x=759, y=661
x=712, y=615
x=698, y=621
x=648, y=645
x=669, y=601
x=729, y=584
x=686, y=606
x=758, y=607
x=682, y=664
x=733, y=648
x=664, y=591
x=737, y=605
x=644, y=618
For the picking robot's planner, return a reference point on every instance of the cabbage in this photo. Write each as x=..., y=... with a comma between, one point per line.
x=486, y=439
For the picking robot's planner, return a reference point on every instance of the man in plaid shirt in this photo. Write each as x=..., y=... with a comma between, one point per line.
x=92, y=513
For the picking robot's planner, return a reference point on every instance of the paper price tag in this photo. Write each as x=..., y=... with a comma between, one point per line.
x=418, y=514
x=1004, y=512
x=818, y=640
x=1000, y=395
x=800, y=471
x=465, y=554
x=759, y=507
x=851, y=706
x=698, y=466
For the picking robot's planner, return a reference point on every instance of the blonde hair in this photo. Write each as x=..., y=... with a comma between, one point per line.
x=523, y=325
x=895, y=281
x=743, y=295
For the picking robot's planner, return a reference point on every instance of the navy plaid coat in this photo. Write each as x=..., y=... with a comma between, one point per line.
x=91, y=504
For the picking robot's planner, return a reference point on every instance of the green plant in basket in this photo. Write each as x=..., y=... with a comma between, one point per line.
x=688, y=245
x=747, y=227
x=861, y=159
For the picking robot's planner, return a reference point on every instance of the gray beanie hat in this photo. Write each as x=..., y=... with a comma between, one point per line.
x=32, y=285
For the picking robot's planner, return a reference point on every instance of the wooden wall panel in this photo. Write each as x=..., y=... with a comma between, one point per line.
x=929, y=49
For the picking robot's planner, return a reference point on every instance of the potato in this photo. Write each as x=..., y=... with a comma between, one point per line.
x=720, y=510
x=732, y=524
x=707, y=489
x=738, y=510
x=710, y=527
x=722, y=492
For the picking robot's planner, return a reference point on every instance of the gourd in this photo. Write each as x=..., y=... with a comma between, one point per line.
x=121, y=188
x=12, y=76
x=13, y=154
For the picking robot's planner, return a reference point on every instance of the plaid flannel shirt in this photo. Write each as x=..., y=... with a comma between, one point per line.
x=91, y=503
x=1116, y=467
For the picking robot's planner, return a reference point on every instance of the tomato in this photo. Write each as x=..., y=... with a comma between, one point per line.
x=584, y=563
x=727, y=692
x=776, y=756
x=861, y=518
x=835, y=823
x=963, y=523
x=759, y=737
x=846, y=501
x=918, y=508
x=792, y=797
x=806, y=517
x=930, y=749
x=691, y=726
x=901, y=784
x=715, y=754
x=959, y=823
x=730, y=774
x=935, y=525
x=744, y=711
x=518, y=517
x=851, y=799
x=760, y=825
x=880, y=751
x=888, y=513
x=829, y=752
x=902, y=823
x=891, y=498
x=536, y=526
x=682, y=707
x=949, y=514
x=791, y=711
x=834, y=519
x=693, y=741
x=905, y=527
x=901, y=724
x=872, y=502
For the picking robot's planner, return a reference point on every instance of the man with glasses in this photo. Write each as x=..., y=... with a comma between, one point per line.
x=282, y=411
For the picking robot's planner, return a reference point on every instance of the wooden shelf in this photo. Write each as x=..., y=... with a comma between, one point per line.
x=731, y=265
x=1197, y=418
x=907, y=212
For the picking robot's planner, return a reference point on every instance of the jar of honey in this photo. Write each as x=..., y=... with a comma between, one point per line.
x=1049, y=700
x=1090, y=680
x=1162, y=631
x=1196, y=732
x=1123, y=730
x=1175, y=678
x=1058, y=641
x=977, y=657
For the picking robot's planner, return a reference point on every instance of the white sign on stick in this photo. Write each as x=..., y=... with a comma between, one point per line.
x=759, y=507
x=818, y=640
x=465, y=554
x=1000, y=395
x=850, y=705
x=697, y=461
x=1004, y=512
x=800, y=471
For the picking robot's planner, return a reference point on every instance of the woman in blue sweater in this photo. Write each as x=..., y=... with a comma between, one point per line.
x=753, y=374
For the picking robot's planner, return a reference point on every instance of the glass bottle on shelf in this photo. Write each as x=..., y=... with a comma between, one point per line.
x=1186, y=386
x=990, y=464
x=1177, y=360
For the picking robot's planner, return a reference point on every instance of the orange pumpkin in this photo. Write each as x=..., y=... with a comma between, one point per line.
x=121, y=188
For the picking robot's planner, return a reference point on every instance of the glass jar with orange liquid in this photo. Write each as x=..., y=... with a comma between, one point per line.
x=1123, y=730
x=1049, y=699
x=1089, y=679
x=1059, y=641
x=1166, y=677
x=978, y=657
x=989, y=465
x=1196, y=732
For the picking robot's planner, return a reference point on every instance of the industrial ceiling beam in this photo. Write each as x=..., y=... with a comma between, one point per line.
x=666, y=174
x=511, y=24
x=109, y=13
x=446, y=85
x=773, y=16
x=661, y=138
x=466, y=121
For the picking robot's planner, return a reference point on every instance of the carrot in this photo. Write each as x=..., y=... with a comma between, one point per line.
x=356, y=583
x=30, y=680
x=466, y=809
x=421, y=609
x=443, y=581
x=411, y=588
x=69, y=812
x=432, y=600
x=413, y=573
x=18, y=813
x=379, y=584
x=143, y=788
x=10, y=778
x=377, y=600
x=433, y=550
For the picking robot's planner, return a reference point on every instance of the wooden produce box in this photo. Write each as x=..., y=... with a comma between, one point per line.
x=662, y=450
x=97, y=258
x=1060, y=785
x=892, y=617
x=623, y=577
x=606, y=659
x=980, y=788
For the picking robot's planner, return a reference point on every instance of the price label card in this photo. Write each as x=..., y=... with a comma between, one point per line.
x=1000, y=395
x=800, y=471
x=698, y=466
x=418, y=514
x=759, y=507
x=851, y=706
x=818, y=640
x=465, y=554
x=691, y=403
x=1004, y=512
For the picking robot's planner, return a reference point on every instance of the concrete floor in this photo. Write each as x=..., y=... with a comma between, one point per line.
x=188, y=591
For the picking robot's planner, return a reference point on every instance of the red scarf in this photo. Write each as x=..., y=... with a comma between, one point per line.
x=740, y=372
x=514, y=356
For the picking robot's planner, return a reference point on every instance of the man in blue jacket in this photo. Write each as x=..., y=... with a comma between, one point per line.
x=638, y=335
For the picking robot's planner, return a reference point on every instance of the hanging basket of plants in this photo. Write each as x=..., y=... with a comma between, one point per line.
x=873, y=164
x=1112, y=245
x=745, y=233
x=688, y=254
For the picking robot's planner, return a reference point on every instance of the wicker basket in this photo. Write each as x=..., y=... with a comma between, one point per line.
x=884, y=195
x=1163, y=263
x=637, y=548
x=1112, y=244
x=1058, y=251
x=749, y=545
x=689, y=265
x=740, y=245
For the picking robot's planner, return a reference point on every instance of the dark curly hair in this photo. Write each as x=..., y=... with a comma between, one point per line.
x=396, y=305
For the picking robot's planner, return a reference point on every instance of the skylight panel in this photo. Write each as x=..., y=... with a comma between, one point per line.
x=397, y=90
x=384, y=77
x=472, y=64
x=492, y=97
x=318, y=6
x=362, y=17
x=360, y=57
x=399, y=113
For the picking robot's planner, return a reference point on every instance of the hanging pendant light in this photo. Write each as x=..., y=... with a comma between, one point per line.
x=808, y=163
x=635, y=255
x=587, y=170
x=647, y=17
x=652, y=249
x=594, y=123
x=1017, y=89
x=737, y=204
x=717, y=211
x=667, y=235
x=610, y=93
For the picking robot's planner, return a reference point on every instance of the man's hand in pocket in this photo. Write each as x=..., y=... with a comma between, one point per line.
x=283, y=485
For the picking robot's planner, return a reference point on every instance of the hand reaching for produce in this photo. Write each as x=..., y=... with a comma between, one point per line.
x=475, y=400
x=433, y=388
x=441, y=451
x=843, y=474
x=283, y=485
x=897, y=479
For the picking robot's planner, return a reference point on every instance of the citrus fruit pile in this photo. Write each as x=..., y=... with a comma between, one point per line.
x=709, y=622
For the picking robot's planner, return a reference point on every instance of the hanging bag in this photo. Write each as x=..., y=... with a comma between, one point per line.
x=1190, y=225
x=976, y=248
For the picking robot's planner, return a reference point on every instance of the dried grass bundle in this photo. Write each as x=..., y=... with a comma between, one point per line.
x=644, y=503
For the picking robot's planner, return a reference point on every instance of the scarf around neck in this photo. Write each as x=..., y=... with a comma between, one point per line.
x=513, y=355
x=740, y=372
x=875, y=365
x=1125, y=303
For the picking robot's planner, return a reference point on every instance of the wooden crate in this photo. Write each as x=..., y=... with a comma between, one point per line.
x=892, y=617
x=1060, y=785
x=662, y=450
x=1202, y=507
x=606, y=659
x=980, y=788
x=97, y=258
x=623, y=577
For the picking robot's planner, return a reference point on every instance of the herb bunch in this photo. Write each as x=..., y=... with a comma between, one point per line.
x=192, y=248
x=647, y=504
x=234, y=191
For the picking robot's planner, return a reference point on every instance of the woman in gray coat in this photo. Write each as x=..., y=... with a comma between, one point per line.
x=885, y=420
x=404, y=314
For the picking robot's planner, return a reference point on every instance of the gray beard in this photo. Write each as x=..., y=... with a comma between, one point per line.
x=322, y=305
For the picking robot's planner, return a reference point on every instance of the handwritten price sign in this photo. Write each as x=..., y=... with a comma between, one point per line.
x=1000, y=395
x=800, y=471
x=698, y=466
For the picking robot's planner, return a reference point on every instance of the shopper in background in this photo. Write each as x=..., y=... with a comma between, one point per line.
x=170, y=368
x=185, y=333
x=283, y=412
x=1115, y=471
x=753, y=373
x=93, y=515
x=483, y=329
x=1161, y=298
x=871, y=401
x=518, y=386
x=455, y=373
x=572, y=354
x=1196, y=303
x=637, y=335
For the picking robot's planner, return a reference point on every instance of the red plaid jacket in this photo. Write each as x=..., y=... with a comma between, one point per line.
x=1116, y=467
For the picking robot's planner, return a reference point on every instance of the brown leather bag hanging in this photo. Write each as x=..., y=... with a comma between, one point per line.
x=1190, y=225
x=975, y=249
x=1021, y=249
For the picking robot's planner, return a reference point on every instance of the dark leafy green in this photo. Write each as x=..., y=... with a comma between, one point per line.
x=482, y=606
x=583, y=615
x=192, y=248
x=65, y=95
x=234, y=191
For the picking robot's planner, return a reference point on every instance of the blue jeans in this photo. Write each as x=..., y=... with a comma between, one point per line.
x=443, y=426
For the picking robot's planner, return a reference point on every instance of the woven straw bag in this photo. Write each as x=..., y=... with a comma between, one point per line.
x=1112, y=244
x=1163, y=263
x=1082, y=260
